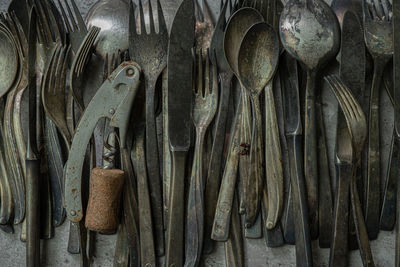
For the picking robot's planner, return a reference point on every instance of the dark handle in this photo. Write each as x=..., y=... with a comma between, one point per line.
x=325, y=192
x=175, y=241
x=339, y=247
x=153, y=168
x=288, y=223
x=273, y=237
x=300, y=208
x=121, y=258
x=310, y=153
x=234, y=252
x=147, y=249
x=32, y=213
x=388, y=214
x=373, y=195
x=214, y=168
x=361, y=229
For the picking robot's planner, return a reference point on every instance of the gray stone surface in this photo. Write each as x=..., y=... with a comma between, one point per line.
x=54, y=251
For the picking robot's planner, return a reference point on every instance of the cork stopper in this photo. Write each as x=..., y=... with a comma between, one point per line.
x=104, y=200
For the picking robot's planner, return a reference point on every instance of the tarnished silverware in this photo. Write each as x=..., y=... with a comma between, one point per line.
x=260, y=50
x=214, y=174
x=352, y=72
x=378, y=39
x=203, y=112
x=349, y=152
x=32, y=156
x=301, y=22
x=396, y=94
x=180, y=64
x=237, y=26
x=298, y=194
x=149, y=50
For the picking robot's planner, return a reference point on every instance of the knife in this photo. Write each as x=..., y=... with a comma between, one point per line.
x=396, y=73
x=32, y=155
x=388, y=213
x=180, y=65
x=352, y=73
x=293, y=131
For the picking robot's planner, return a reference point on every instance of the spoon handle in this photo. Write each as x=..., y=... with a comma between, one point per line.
x=310, y=153
x=220, y=230
x=255, y=182
x=273, y=159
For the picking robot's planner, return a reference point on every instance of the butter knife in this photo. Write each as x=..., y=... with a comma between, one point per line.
x=180, y=63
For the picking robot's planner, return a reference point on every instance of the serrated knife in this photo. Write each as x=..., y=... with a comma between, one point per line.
x=180, y=64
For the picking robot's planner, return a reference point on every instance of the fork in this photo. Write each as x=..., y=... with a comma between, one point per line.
x=149, y=50
x=78, y=66
x=204, y=25
x=349, y=154
x=204, y=109
x=379, y=42
x=216, y=157
x=74, y=24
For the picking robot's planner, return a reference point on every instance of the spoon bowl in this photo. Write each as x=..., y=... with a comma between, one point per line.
x=258, y=57
x=310, y=32
x=8, y=65
x=236, y=28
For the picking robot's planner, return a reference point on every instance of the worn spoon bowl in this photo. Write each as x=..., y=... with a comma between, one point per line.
x=8, y=62
x=258, y=57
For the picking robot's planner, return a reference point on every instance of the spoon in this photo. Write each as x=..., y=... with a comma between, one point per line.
x=236, y=28
x=310, y=32
x=112, y=17
x=257, y=62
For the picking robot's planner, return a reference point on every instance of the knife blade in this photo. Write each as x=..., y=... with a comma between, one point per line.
x=352, y=73
x=32, y=155
x=180, y=67
x=293, y=131
x=396, y=73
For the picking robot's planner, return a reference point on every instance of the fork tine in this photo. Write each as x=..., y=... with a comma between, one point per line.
x=65, y=17
x=379, y=7
x=341, y=93
x=389, y=9
x=352, y=103
x=58, y=69
x=51, y=71
x=78, y=17
x=207, y=74
x=214, y=89
x=366, y=11
x=41, y=29
x=162, y=25
x=92, y=37
x=63, y=76
x=82, y=54
x=199, y=88
x=43, y=22
x=23, y=41
x=142, y=21
x=207, y=14
x=53, y=23
x=71, y=16
x=132, y=20
x=151, y=18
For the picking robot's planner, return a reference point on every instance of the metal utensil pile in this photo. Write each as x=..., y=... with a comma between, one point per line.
x=195, y=136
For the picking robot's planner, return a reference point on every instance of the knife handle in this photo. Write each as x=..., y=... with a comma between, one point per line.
x=300, y=208
x=310, y=153
x=339, y=246
x=175, y=240
x=361, y=229
x=32, y=212
x=372, y=212
x=388, y=214
x=220, y=230
x=273, y=160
